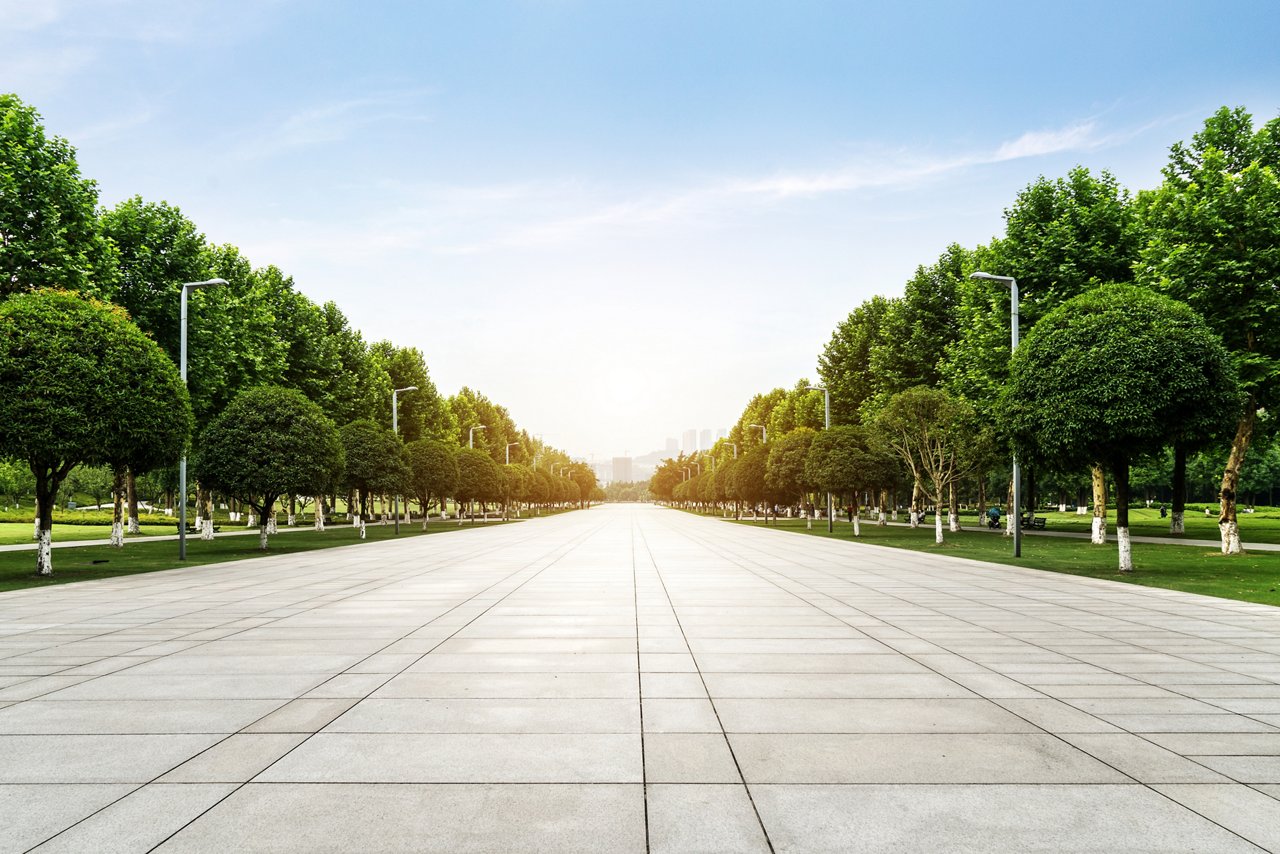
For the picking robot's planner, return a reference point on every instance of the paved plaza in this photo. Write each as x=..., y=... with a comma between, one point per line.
x=631, y=679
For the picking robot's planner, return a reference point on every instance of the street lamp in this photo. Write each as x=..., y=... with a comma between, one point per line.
x=505, y=511
x=826, y=396
x=471, y=435
x=764, y=434
x=735, y=449
x=511, y=445
x=395, y=428
x=1012, y=284
x=187, y=287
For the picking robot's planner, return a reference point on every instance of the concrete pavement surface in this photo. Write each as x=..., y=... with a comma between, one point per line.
x=634, y=679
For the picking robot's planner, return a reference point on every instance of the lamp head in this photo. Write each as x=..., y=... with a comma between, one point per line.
x=191, y=286
x=990, y=277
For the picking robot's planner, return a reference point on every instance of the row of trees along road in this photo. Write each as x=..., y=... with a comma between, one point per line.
x=1149, y=346
x=89, y=338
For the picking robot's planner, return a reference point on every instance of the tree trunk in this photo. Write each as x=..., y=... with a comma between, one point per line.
x=319, y=523
x=953, y=511
x=1228, y=524
x=1011, y=518
x=1122, y=515
x=855, y=516
x=262, y=536
x=293, y=511
x=882, y=518
x=1178, y=512
x=1099, y=536
x=916, y=493
x=937, y=516
x=117, y=507
x=47, y=484
x=982, y=499
x=131, y=486
x=206, y=532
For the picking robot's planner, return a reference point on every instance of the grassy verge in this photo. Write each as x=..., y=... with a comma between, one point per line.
x=18, y=533
x=17, y=569
x=1253, y=577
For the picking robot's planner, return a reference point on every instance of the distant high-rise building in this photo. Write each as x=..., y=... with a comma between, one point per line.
x=722, y=433
x=704, y=440
x=673, y=446
x=689, y=441
x=622, y=470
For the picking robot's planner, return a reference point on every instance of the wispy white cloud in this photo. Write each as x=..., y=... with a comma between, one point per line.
x=469, y=220
x=327, y=123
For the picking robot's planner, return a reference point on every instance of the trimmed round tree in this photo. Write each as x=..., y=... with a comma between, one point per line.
x=784, y=474
x=374, y=460
x=479, y=478
x=842, y=460
x=1114, y=375
x=82, y=384
x=433, y=472
x=268, y=443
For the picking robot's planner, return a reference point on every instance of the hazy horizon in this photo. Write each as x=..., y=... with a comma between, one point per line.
x=620, y=223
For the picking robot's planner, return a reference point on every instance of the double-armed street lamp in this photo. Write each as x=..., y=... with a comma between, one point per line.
x=826, y=395
x=395, y=428
x=187, y=287
x=1016, y=511
x=471, y=435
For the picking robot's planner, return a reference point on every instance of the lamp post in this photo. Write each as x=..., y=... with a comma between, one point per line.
x=395, y=428
x=826, y=397
x=471, y=435
x=764, y=434
x=187, y=287
x=735, y=449
x=1012, y=284
x=511, y=445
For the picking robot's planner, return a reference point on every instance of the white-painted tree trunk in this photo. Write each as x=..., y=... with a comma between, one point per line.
x=355, y=521
x=134, y=526
x=363, y=534
x=1177, y=522
x=291, y=521
x=1082, y=510
x=199, y=521
x=251, y=521
x=937, y=527
x=915, y=518
x=319, y=520
x=857, y=525
x=272, y=528
x=1231, y=538
x=263, y=534
x=44, y=554
x=1099, y=535
x=1126, y=550
x=117, y=534
x=953, y=522
x=35, y=532
x=1010, y=519
x=206, y=530
x=882, y=518
x=1062, y=507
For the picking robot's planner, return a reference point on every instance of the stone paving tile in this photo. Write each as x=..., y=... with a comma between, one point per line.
x=985, y=820
x=341, y=818
x=546, y=686
x=30, y=814
x=138, y=822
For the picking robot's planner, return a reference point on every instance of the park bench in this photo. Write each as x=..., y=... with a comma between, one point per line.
x=1037, y=522
x=192, y=529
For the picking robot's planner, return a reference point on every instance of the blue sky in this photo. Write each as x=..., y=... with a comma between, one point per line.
x=619, y=219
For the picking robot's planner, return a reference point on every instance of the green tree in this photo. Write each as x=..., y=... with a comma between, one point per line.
x=845, y=363
x=423, y=413
x=1162, y=366
x=270, y=442
x=16, y=481
x=926, y=428
x=784, y=475
x=749, y=478
x=1212, y=230
x=845, y=461
x=49, y=234
x=433, y=472
x=479, y=478
x=374, y=461
x=81, y=384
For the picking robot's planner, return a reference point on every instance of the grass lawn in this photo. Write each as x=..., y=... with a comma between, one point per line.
x=20, y=532
x=1260, y=527
x=1253, y=577
x=17, y=568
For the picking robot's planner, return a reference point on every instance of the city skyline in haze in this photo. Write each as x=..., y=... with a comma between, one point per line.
x=617, y=220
